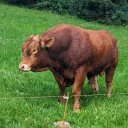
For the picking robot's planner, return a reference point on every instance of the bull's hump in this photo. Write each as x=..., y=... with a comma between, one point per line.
x=62, y=27
x=56, y=28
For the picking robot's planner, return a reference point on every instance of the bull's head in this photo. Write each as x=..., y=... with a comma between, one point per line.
x=35, y=56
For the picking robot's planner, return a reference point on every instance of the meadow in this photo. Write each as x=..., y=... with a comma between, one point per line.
x=16, y=24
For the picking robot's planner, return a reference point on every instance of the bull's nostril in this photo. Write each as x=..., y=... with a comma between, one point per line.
x=24, y=67
x=21, y=67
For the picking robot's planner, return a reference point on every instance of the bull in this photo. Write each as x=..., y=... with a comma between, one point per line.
x=72, y=53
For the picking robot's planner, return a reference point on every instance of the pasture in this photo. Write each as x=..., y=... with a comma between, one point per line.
x=16, y=24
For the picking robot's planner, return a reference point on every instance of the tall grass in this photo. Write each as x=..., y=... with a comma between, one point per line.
x=16, y=24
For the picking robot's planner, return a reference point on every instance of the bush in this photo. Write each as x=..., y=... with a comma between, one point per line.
x=120, y=2
x=19, y=2
x=103, y=11
x=120, y=17
x=61, y=6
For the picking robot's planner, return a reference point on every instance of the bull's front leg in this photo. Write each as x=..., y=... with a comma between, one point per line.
x=62, y=91
x=60, y=81
x=78, y=84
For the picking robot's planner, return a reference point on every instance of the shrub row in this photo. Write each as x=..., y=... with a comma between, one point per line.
x=104, y=11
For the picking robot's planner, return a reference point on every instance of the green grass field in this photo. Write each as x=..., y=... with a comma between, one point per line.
x=16, y=24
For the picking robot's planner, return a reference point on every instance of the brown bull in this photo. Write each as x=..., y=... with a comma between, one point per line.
x=71, y=53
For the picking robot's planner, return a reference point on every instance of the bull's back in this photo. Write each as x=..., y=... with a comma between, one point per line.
x=75, y=46
x=57, y=29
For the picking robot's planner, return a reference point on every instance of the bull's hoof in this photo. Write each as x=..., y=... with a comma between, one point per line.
x=108, y=95
x=76, y=110
x=95, y=88
x=61, y=100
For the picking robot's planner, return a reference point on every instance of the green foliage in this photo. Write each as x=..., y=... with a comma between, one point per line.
x=19, y=2
x=103, y=11
x=120, y=18
x=60, y=6
x=120, y=2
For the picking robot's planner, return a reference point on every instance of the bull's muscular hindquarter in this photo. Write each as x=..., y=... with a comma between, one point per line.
x=71, y=53
x=109, y=72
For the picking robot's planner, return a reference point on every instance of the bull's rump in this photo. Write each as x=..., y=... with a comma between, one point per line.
x=105, y=51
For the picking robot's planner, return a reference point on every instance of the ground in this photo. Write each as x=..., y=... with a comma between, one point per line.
x=16, y=24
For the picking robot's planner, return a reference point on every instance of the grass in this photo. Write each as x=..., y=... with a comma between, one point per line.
x=16, y=24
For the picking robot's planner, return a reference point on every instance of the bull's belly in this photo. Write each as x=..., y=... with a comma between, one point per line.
x=68, y=82
x=96, y=71
x=69, y=76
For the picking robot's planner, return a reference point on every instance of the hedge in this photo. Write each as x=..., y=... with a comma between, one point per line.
x=103, y=11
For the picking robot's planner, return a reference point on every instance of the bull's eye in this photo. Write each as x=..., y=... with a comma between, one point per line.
x=34, y=51
x=29, y=53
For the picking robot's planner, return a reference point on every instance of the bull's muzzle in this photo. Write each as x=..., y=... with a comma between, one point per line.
x=24, y=67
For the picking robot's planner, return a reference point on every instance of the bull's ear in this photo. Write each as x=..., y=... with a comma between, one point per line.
x=49, y=42
x=30, y=37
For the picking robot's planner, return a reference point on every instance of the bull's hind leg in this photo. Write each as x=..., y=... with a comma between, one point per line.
x=93, y=82
x=109, y=72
